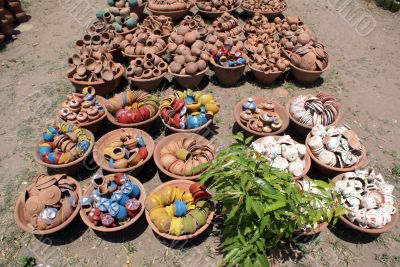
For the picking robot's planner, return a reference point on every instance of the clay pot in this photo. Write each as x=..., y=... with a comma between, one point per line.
x=284, y=116
x=213, y=15
x=174, y=15
x=142, y=199
x=132, y=56
x=265, y=78
x=189, y=81
x=269, y=14
x=148, y=84
x=374, y=231
x=228, y=76
x=106, y=139
x=198, y=130
x=19, y=213
x=71, y=168
x=306, y=76
x=183, y=184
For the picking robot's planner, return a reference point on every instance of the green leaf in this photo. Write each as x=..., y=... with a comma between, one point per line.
x=262, y=260
x=249, y=204
x=258, y=208
x=247, y=262
x=265, y=221
x=277, y=205
x=248, y=140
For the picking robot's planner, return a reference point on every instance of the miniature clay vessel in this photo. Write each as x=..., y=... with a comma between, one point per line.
x=270, y=9
x=214, y=9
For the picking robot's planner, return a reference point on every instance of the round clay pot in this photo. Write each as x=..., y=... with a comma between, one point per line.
x=142, y=198
x=143, y=125
x=306, y=158
x=148, y=84
x=171, y=138
x=197, y=130
x=269, y=15
x=136, y=56
x=113, y=135
x=189, y=81
x=183, y=184
x=265, y=78
x=101, y=87
x=25, y=226
x=71, y=168
x=375, y=231
x=333, y=171
x=258, y=100
x=301, y=128
x=214, y=15
x=306, y=76
x=228, y=76
x=174, y=15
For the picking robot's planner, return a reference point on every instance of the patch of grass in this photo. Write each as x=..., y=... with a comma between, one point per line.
x=396, y=169
x=388, y=260
x=27, y=261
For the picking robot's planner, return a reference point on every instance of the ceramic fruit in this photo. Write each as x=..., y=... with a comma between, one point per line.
x=260, y=117
x=48, y=205
x=125, y=197
x=174, y=9
x=159, y=25
x=285, y=154
x=179, y=210
x=178, y=154
x=269, y=8
x=213, y=9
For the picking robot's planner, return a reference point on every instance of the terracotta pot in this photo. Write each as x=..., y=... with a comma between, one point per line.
x=265, y=78
x=136, y=56
x=197, y=130
x=258, y=100
x=106, y=139
x=189, y=81
x=306, y=158
x=213, y=15
x=333, y=171
x=303, y=129
x=375, y=231
x=143, y=125
x=228, y=76
x=183, y=184
x=148, y=84
x=306, y=76
x=171, y=138
x=71, y=168
x=174, y=15
x=269, y=15
x=142, y=198
x=20, y=217
x=102, y=87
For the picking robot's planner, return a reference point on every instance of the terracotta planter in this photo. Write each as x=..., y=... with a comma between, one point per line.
x=171, y=138
x=307, y=160
x=21, y=222
x=174, y=15
x=136, y=56
x=142, y=198
x=71, y=168
x=306, y=76
x=213, y=15
x=265, y=78
x=103, y=142
x=228, y=76
x=189, y=81
x=303, y=129
x=183, y=184
x=375, y=231
x=102, y=87
x=269, y=15
x=197, y=130
x=284, y=116
x=333, y=171
x=148, y=84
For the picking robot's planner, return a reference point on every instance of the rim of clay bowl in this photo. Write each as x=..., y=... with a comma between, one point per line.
x=265, y=13
x=260, y=71
x=86, y=83
x=212, y=61
x=310, y=71
x=159, y=53
x=217, y=13
x=194, y=130
x=101, y=228
x=180, y=184
x=186, y=75
x=140, y=80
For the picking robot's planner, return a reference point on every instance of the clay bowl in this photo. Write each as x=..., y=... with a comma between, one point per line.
x=171, y=138
x=183, y=184
x=102, y=143
x=142, y=198
x=265, y=78
x=269, y=15
x=71, y=168
x=376, y=231
x=143, y=125
x=21, y=222
x=189, y=81
x=306, y=158
x=333, y=171
x=258, y=100
x=174, y=15
x=148, y=84
x=214, y=15
x=306, y=76
x=228, y=76
x=301, y=128
x=160, y=53
x=197, y=130
x=102, y=87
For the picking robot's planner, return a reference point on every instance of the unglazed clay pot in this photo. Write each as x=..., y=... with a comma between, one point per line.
x=265, y=78
x=189, y=81
x=205, y=8
x=306, y=76
x=264, y=7
x=228, y=76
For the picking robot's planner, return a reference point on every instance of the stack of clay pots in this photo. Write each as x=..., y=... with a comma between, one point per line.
x=147, y=72
x=10, y=11
x=159, y=25
x=227, y=26
x=136, y=6
x=197, y=23
x=270, y=8
x=214, y=8
x=173, y=9
x=123, y=21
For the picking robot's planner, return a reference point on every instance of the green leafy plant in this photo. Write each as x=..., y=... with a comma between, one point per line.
x=27, y=261
x=262, y=205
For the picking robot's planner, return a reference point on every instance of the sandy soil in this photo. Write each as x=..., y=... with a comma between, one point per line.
x=363, y=76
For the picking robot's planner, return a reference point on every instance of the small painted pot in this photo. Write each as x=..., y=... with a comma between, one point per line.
x=107, y=220
x=120, y=178
x=180, y=208
x=249, y=105
x=119, y=212
x=375, y=219
x=131, y=190
x=112, y=186
x=103, y=204
x=120, y=197
x=94, y=216
x=133, y=207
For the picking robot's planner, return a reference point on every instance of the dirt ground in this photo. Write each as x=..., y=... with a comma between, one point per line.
x=363, y=42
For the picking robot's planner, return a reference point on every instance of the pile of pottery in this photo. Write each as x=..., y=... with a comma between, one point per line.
x=197, y=23
x=188, y=110
x=228, y=57
x=313, y=110
x=184, y=36
x=176, y=212
x=113, y=202
x=261, y=118
x=159, y=25
x=261, y=6
x=121, y=4
x=141, y=42
x=282, y=153
x=169, y=6
x=148, y=67
x=122, y=20
x=181, y=156
x=217, y=5
x=310, y=56
x=335, y=146
x=368, y=198
x=259, y=24
x=63, y=143
x=10, y=13
x=125, y=152
x=226, y=26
